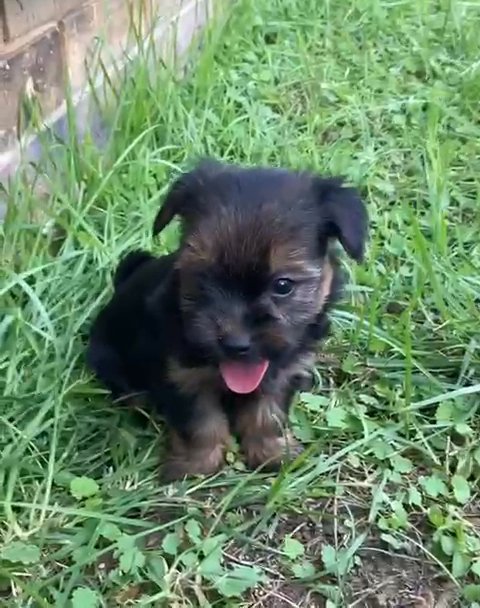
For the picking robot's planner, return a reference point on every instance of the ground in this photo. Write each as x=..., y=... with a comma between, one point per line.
x=383, y=509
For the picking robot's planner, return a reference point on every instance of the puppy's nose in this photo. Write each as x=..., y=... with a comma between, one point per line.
x=236, y=345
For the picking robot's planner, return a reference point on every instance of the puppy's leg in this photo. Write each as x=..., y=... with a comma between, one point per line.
x=302, y=378
x=264, y=438
x=197, y=446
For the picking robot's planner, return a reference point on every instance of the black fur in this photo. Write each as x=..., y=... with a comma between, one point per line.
x=129, y=265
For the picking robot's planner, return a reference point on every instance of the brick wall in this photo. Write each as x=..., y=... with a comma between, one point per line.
x=44, y=40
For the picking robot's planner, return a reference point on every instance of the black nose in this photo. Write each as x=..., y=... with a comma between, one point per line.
x=236, y=345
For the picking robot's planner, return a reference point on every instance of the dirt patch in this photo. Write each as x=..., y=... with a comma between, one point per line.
x=387, y=580
x=382, y=579
x=285, y=595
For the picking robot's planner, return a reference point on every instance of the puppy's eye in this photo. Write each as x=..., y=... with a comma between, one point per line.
x=283, y=287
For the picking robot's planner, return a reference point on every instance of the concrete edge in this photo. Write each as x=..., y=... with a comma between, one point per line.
x=184, y=26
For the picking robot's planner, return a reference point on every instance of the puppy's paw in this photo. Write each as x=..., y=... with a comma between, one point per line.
x=303, y=382
x=270, y=453
x=193, y=462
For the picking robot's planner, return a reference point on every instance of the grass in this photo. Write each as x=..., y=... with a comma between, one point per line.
x=384, y=508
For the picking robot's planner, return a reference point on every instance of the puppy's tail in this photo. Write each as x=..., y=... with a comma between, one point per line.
x=129, y=264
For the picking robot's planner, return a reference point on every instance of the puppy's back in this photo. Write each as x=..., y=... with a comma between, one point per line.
x=128, y=265
x=127, y=338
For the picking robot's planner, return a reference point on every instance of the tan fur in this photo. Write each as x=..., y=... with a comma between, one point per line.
x=260, y=426
x=193, y=380
x=326, y=284
x=284, y=256
x=204, y=452
x=263, y=412
x=196, y=254
x=275, y=337
x=186, y=460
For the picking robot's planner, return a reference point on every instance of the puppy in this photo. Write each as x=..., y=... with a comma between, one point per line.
x=220, y=333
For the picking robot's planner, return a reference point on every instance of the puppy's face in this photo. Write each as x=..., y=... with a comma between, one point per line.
x=254, y=269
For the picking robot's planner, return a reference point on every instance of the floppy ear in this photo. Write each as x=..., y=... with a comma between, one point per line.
x=183, y=198
x=344, y=215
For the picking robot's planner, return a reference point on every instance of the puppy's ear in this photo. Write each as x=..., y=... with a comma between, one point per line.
x=184, y=197
x=343, y=214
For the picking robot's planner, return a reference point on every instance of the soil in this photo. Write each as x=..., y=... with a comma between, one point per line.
x=383, y=578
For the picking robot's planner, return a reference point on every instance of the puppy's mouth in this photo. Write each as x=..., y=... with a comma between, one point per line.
x=242, y=377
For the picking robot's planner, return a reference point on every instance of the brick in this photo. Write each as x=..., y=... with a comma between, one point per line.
x=38, y=67
x=23, y=16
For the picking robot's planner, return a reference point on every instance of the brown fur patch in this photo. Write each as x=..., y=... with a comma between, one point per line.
x=326, y=284
x=197, y=253
x=185, y=460
x=275, y=337
x=204, y=451
x=288, y=257
x=260, y=425
x=192, y=380
x=270, y=452
x=233, y=240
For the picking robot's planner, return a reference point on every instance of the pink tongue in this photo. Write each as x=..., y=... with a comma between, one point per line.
x=243, y=378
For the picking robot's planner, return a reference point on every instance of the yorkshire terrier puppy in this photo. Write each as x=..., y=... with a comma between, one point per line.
x=219, y=334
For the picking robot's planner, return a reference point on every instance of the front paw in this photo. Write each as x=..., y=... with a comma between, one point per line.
x=193, y=462
x=303, y=382
x=269, y=453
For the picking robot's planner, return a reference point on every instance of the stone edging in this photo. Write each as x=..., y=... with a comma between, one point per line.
x=172, y=24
